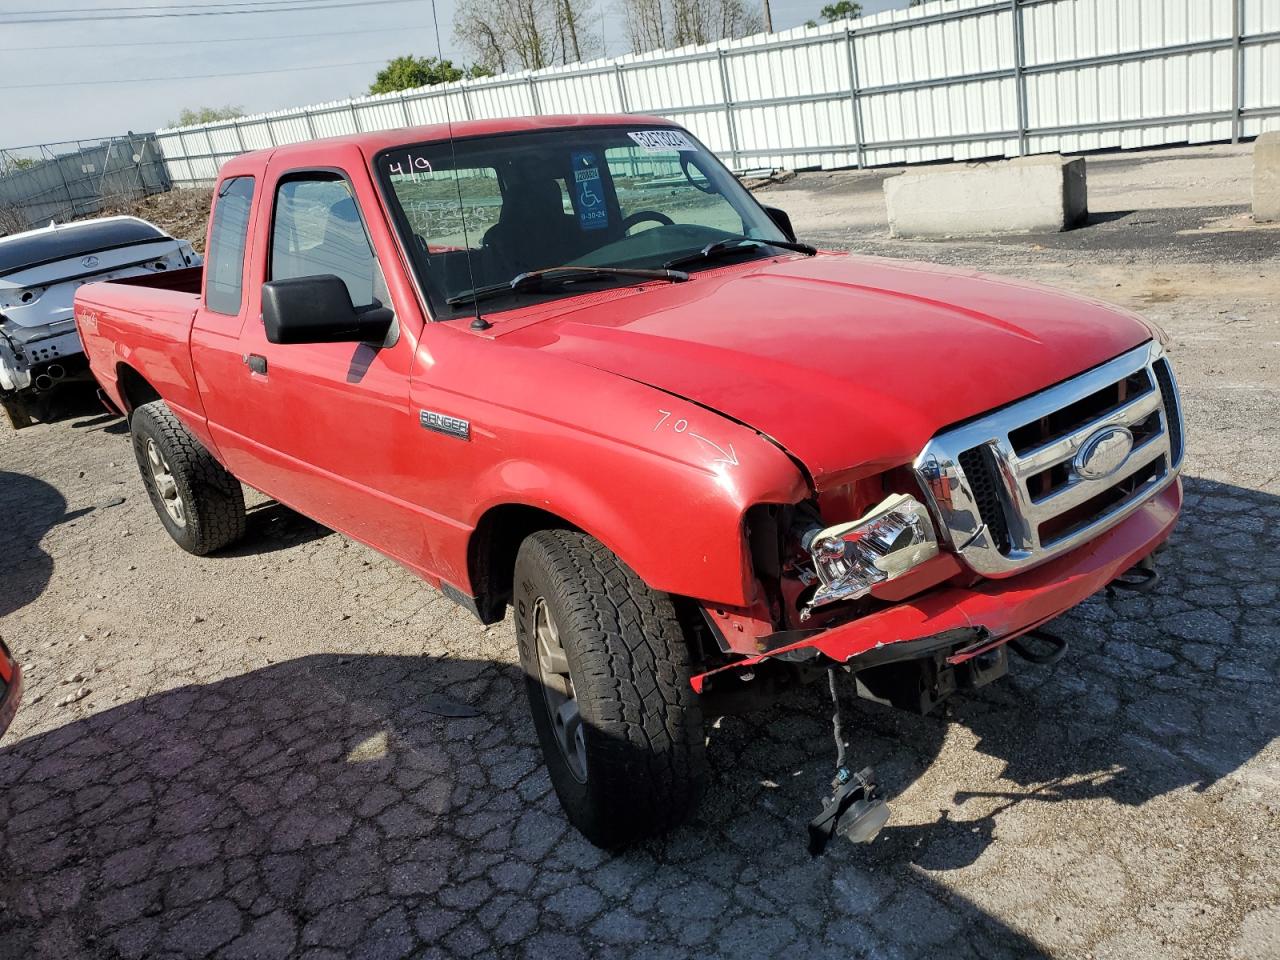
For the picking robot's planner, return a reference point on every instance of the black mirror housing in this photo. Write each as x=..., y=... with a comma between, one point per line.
x=782, y=222
x=319, y=310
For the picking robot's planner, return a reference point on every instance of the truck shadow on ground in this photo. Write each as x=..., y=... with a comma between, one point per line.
x=78, y=402
x=325, y=802
x=271, y=526
x=28, y=509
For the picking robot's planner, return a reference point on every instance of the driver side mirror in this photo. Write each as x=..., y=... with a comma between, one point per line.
x=782, y=222
x=319, y=310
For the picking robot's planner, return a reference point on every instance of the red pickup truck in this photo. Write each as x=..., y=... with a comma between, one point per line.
x=570, y=365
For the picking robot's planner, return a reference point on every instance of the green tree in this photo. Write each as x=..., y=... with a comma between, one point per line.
x=189, y=117
x=840, y=10
x=407, y=72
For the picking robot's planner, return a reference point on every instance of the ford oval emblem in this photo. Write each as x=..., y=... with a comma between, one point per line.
x=1104, y=453
x=89, y=261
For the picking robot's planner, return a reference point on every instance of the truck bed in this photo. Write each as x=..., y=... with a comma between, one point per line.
x=143, y=324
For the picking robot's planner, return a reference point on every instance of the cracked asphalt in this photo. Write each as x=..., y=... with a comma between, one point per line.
x=294, y=748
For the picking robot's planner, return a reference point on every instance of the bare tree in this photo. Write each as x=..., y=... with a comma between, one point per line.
x=646, y=24
x=12, y=219
x=657, y=24
x=525, y=34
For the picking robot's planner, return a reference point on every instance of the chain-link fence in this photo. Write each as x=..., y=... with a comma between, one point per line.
x=61, y=181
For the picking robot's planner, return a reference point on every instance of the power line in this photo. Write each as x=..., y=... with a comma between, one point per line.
x=159, y=6
x=197, y=76
x=268, y=36
x=301, y=5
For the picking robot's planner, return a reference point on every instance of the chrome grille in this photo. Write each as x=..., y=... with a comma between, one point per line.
x=1014, y=488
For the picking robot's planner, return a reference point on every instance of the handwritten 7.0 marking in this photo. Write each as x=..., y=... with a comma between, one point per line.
x=681, y=425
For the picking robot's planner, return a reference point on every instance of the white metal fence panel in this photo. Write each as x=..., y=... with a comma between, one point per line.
x=949, y=79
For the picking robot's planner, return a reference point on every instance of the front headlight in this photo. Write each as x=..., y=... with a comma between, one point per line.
x=851, y=558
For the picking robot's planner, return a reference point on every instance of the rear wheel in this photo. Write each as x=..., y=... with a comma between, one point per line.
x=17, y=412
x=197, y=500
x=607, y=670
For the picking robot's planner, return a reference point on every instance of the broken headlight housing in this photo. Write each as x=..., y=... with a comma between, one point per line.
x=851, y=558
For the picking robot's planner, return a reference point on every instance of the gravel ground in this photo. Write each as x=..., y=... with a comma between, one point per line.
x=258, y=760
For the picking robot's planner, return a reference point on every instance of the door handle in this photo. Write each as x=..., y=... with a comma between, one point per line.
x=256, y=363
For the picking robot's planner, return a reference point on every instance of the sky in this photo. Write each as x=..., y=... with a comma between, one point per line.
x=72, y=80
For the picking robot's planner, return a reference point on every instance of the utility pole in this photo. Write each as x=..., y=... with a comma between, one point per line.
x=768, y=16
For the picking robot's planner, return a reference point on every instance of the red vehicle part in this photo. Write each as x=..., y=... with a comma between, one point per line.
x=1005, y=609
x=10, y=688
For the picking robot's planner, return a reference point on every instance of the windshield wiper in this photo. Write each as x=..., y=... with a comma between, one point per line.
x=566, y=274
x=733, y=246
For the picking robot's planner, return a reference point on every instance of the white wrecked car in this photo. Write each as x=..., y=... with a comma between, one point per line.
x=40, y=271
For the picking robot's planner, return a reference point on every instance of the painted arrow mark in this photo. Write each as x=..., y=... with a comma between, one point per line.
x=681, y=425
x=729, y=456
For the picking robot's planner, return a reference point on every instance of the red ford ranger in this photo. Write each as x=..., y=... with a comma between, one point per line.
x=572, y=366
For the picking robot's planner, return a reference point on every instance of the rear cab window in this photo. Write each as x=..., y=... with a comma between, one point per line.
x=224, y=268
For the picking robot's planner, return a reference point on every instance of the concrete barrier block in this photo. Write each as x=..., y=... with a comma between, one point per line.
x=1266, y=178
x=1026, y=195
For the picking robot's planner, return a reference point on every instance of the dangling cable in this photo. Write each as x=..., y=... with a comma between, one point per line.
x=835, y=719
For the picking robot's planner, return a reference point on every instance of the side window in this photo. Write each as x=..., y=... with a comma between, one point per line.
x=317, y=230
x=224, y=268
x=656, y=181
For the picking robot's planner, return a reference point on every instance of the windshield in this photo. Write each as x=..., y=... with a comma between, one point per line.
x=487, y=209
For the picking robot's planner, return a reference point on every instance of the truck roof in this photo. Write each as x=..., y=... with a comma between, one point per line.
x=375, y=141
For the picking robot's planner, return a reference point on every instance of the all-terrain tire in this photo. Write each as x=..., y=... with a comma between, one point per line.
x=18, y=414
x=212, y=500
x=629, y=661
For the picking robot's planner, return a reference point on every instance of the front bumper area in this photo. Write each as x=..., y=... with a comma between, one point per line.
x=1000, y=609
x=10, y=688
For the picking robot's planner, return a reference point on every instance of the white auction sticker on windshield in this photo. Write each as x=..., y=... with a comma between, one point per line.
x=656, y=141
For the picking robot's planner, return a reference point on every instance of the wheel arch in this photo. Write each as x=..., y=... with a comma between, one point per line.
x=492, y=549
x=134, y=388
x=491, y=563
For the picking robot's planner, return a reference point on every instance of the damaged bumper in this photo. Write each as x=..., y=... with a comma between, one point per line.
x=993, y=611
x=37, y=357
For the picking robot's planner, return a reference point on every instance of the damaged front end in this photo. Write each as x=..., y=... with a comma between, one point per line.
x=1021, y=515
x=851, y=558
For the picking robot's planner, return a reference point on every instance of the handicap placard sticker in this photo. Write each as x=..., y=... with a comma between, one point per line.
x=589, y=191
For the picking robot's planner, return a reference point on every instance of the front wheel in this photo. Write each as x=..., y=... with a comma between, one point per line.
x=607, y=670
x=197, y=500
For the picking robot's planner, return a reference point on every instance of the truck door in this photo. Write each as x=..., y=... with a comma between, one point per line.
x=215, y=331
x=329, y=427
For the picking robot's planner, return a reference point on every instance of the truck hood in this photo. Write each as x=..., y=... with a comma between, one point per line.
x=851, y=364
